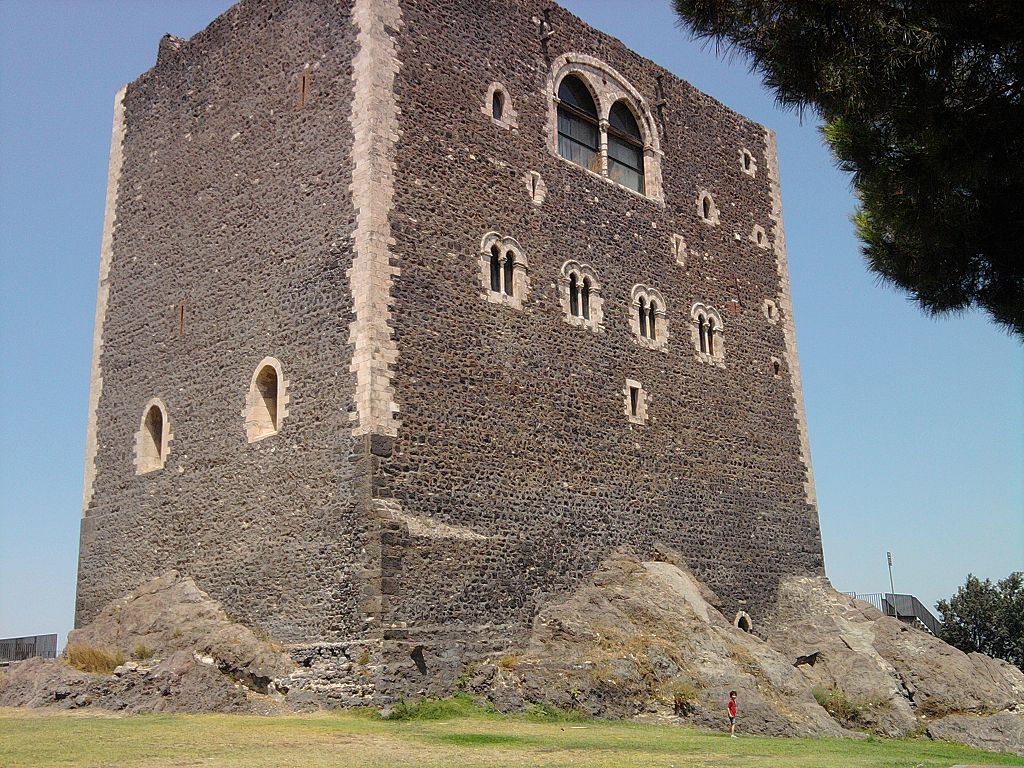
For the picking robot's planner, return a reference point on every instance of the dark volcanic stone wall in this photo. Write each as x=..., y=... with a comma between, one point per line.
x=235, y=201
x=512, y=422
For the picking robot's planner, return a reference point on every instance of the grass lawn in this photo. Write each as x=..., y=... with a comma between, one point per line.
x=443, y=736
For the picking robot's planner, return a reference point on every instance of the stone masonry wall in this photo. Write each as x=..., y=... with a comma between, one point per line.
x=235, y=201
x=512, y=427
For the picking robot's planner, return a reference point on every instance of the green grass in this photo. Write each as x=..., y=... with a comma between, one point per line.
x=473, y=738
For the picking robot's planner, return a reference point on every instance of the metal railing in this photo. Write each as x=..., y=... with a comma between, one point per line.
x=21, y=648
x=903, y=607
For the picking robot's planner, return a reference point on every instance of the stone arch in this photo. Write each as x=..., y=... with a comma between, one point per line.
x=708, y=332
x=153, y=439
x=266, y=404
x=743, y=621
x=650, y=330
x=608, y=87
x=514, y=285
x=707, y=210
x=497, y=93
x=747, y=163
x=759, y=237
x=587, y=309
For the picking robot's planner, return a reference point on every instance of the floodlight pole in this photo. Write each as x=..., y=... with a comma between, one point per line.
x=892, y=589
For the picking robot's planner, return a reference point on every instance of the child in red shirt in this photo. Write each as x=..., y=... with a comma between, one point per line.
x=732, y=714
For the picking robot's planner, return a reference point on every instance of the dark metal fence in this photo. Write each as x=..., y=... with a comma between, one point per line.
x=20, y=648
x=904, y=607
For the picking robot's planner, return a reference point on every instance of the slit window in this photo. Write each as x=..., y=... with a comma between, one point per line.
x=574, y=295
x=642, y=312
x=585, y=298
x=497, y=105
x=634, y=400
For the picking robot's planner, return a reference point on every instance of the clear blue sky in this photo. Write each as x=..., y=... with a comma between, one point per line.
x=917, y=425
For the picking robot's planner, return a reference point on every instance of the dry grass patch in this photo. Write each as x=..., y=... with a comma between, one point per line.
x=89, y=658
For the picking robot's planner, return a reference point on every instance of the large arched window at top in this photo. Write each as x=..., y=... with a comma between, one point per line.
x=578, y=131
x=599, y=121
x=625, y=148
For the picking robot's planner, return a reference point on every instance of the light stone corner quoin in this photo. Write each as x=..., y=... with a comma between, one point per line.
x=374, y=120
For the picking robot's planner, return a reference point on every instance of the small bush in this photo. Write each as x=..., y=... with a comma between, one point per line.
x=142, y=652
x=846, y=710
x=683, y=696
x=91, y=659
x=364, y=657
x=510, y=662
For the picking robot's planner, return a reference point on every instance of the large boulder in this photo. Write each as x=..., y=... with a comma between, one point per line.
x=186, y=655
x=892, y=675
x=644, y=639
x=1001, y=732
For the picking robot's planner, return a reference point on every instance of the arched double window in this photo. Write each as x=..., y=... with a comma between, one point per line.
x=152, y=441
x=649, y=322
x=708, y=333
x=603, y=124
x=581, y=295
x=503, y=270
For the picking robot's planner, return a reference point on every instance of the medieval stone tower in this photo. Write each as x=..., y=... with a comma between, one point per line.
x=410, y=312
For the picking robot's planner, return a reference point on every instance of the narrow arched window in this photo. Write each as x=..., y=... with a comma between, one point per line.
x=152, y=439
x=625, y=148
x=497, y=105
x=574, y=295
x=642, y=311
x=702, y=332
x=652, y=333
x=266, y=404
x=706, y=207
x=585, y=298
x=510, y=266
x=495, y=269
x=151, y=449
x=711, y=336
x=578, y=134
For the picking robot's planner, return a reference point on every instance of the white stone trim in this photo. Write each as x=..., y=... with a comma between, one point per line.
x=743, y=616
x=776, y=367
x=679, y=249
x=716, y=356
x=509, y=118
x=661, y=333
x=607, y=86
x=770, y=310
x=145, y=463
x=641, y=407
x=255, y=427
x=759, y=237
x=714, y=218
x=749, y=168
x=509, y=248
x=583, y=272
x=536, y=188
x=786, y=311
x=374, y=120
x=114, y=166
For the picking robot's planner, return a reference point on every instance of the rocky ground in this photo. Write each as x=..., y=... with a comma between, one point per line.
x=641, y=640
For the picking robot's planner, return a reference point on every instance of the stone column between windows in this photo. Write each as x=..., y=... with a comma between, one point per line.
x=374, y=119
x=103, y=292
x=603, y=145
x=786, y=305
